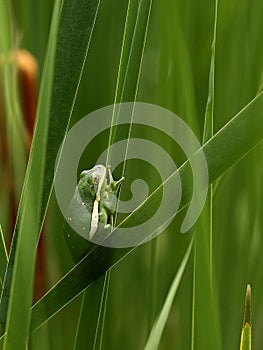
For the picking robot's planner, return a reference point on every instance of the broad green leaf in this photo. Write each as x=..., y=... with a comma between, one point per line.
x=3, y=257
x=69, y=41
x=245, y=343
x=157, y=330
x=222, y=151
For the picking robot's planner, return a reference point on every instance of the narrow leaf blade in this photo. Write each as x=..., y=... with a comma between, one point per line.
x=158, y=328
x=3, y=257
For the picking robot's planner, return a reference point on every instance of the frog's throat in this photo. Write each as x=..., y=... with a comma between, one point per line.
x=94, y=219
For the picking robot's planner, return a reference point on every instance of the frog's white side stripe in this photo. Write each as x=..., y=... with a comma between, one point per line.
x=94, y=219
x=95, y=211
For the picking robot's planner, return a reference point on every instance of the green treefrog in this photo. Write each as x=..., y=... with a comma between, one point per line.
x=94, y=203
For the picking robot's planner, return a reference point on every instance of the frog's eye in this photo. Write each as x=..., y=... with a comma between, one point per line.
x=96, y=179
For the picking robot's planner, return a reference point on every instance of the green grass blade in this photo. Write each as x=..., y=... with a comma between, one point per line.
x=204, y=306
x=209, y=112
x=133, y=44
x=234, y=140
x=157, y=330
x=152, y=285
x=90, y=316
x=245, y=343
x=193, y=301
x=101, y=320
x=56, y=102
x=246, y=337
x=132, y=50
x=3, y=257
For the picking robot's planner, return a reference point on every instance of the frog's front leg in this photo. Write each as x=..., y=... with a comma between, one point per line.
x=103, y=215
x=105, y=223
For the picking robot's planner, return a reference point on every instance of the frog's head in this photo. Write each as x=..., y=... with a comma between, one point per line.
x=91, y=181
